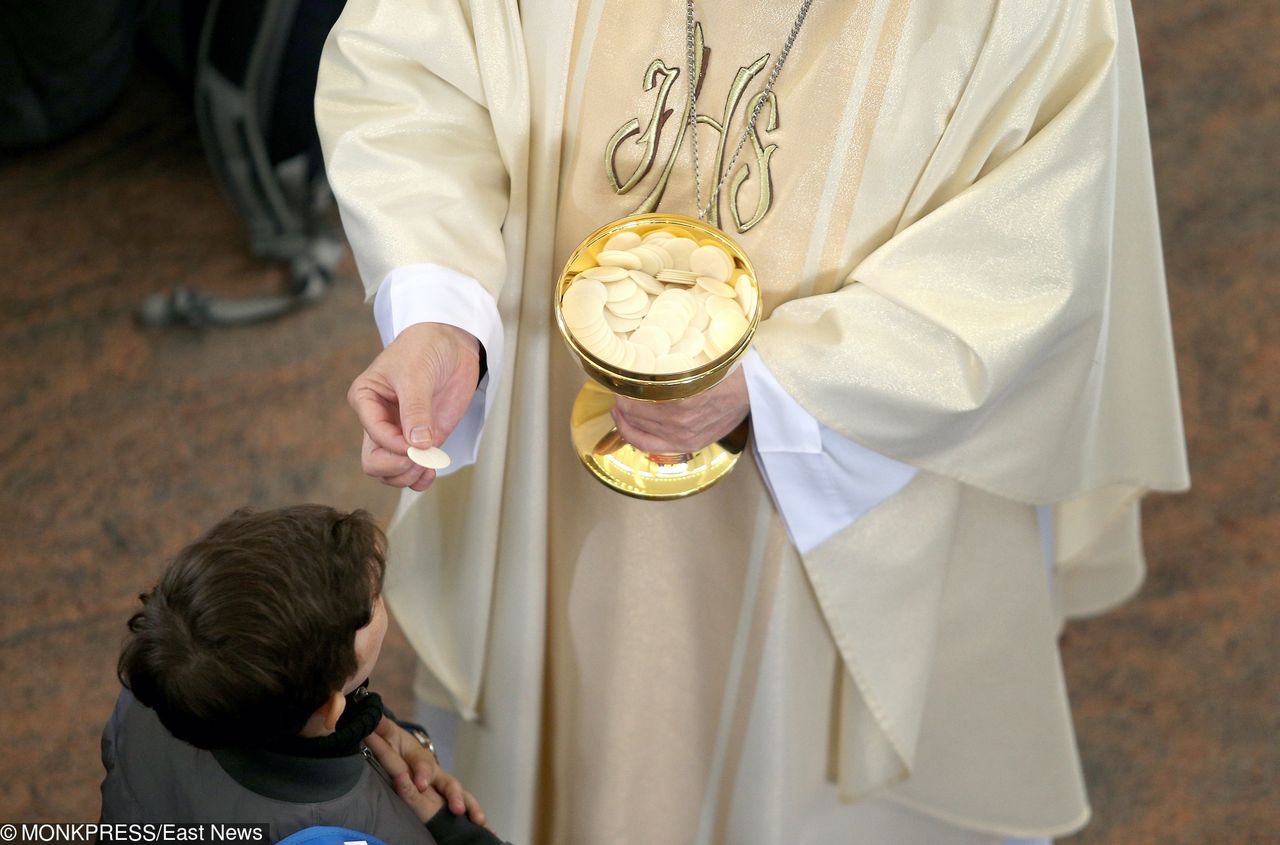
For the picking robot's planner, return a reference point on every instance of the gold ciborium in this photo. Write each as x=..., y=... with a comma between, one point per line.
x=602, y=449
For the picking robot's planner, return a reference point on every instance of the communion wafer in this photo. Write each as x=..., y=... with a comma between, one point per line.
x=690, y=343
x=633, y=306
x=701, y=317
x=645, y=359
x=606, y=274
x=621, y=325
x=588, y=286
x=669, y=312
x=713, y=285
x=676, y=296
x=745, y=293
x=664, y=257
x=430, y=457
x=651, y=260
x=672, y=323
x=659, y=303
x=673, y=362
x=645, y=280
x=623, y=241
x=620, y=290
x=711, y=260
x=628, y=355
x=724, y=331
x=595, y=337
x=679, y=249
x=618, y=258
x=581, y=308
x=653, y=337
x=606, y=345
x=676, y=277
x=716, y=305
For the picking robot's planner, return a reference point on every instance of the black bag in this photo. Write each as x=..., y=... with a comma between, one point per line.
x=255, y=80
x=62, y=66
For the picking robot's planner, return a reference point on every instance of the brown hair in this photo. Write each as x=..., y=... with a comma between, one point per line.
x=252, y=627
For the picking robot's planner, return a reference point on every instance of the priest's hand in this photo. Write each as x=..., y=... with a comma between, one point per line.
x=684, y=425
x=417, y=776
x=413, y=394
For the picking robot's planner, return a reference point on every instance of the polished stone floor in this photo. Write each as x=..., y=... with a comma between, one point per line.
x=117, y=444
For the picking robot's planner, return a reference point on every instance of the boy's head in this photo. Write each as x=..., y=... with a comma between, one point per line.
x=258, y=628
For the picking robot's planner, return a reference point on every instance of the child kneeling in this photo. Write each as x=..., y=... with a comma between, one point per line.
x=245, y=695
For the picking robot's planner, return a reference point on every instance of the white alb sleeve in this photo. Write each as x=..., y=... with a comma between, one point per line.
x=820, y=481
x=429, y=293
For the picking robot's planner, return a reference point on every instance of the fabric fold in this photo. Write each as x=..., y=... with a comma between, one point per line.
x=964, y=350
x=426, y=138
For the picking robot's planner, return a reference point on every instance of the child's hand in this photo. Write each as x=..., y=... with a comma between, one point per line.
x=417, y=776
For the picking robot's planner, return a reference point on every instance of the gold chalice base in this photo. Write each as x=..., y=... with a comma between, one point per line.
x=635, y=472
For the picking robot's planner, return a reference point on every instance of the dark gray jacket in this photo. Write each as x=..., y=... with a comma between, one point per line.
x=153, y=777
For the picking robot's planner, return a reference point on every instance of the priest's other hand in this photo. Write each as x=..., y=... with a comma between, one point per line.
x=413, y=394
x=684, y=425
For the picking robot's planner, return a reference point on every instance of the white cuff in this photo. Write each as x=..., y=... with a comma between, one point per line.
x=429, y=293
x=821, y=482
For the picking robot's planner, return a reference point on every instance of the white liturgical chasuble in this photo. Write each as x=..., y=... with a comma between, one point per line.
x=951, y=211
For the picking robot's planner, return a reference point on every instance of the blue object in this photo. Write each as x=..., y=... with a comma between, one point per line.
x=330, y=836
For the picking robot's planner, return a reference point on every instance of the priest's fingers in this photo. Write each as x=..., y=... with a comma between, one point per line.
x=434, y=368
x=393, y=469
x=424, y=480
x=376, y=405
x=452, y=397
x=645, y=440
x=382, y=463
x=417, y=421
x=686, y=424
x=727, y=402
x=692, y=422
x=660, y=426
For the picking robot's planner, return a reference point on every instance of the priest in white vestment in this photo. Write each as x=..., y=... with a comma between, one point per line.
x=961, y=389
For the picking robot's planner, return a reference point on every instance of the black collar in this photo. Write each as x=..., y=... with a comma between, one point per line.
x=308, y=769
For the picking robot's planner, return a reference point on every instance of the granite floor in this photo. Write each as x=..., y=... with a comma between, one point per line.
x=118, y=444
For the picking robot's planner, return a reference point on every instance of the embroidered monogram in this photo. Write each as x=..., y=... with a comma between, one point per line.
x=648, y=139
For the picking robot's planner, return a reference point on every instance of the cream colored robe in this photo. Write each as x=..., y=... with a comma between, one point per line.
x=992, y=311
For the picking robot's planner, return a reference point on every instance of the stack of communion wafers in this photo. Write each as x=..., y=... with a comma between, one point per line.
x=659, y=304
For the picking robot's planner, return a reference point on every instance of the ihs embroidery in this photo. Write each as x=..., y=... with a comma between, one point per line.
x=649, y=139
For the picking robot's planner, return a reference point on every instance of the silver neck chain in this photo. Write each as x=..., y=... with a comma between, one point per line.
x=703, y=211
